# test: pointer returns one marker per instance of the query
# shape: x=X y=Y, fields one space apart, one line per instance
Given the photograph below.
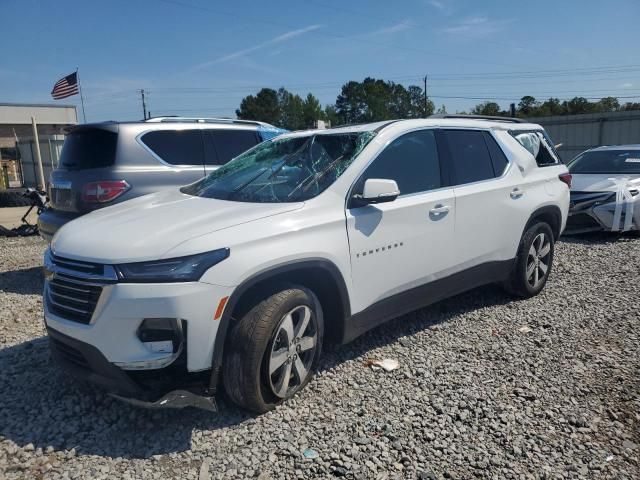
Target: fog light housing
x=161 y=335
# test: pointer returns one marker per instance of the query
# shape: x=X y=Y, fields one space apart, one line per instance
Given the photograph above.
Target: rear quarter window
x=176 y=147
x=229 y=143
x=538 y=144
x=86 y=148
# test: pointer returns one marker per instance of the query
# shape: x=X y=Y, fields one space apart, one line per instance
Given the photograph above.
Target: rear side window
x=539 y=145
x=498 y=157
x=86 y=148
x=411 y=160
x=228 y=144
x=176 y=147
x=469 y=155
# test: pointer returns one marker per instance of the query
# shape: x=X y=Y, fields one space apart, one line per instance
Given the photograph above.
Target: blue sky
x=198 y=57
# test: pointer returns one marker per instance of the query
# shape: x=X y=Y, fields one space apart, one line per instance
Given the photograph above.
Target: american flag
x=65 y=87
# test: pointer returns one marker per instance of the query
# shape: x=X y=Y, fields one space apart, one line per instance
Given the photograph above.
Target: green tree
x=332 y=116
x=262 y=107
x=578 y=105
x=487 y=108
x=607 y=104
x=311 y=111
x=290 y=107
x=630 y=106
x=527 y=106
x=442 y=110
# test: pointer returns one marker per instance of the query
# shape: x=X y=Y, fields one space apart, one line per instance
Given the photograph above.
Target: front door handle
x=516 y=193
x=439 y=209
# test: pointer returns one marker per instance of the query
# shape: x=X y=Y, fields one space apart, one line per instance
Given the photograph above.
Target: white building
x=17 y=157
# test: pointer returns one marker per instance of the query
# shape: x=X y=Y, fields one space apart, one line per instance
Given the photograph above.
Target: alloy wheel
x=292 y=351
x=538 y=260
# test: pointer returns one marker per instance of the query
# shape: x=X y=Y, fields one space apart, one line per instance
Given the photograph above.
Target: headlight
x=182 y=269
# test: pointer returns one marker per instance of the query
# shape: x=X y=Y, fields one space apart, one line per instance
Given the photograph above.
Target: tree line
x=375 y=100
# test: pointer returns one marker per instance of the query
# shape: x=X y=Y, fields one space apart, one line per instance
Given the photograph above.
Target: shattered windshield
x=289 y=169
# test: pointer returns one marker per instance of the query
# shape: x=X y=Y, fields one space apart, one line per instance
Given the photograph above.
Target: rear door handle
x=516 y=193
x=439 y=209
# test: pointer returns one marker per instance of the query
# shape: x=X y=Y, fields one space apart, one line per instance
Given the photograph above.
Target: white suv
x=239 y=278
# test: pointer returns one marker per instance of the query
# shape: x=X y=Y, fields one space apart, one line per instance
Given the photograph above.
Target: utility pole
x=425 y=96
x=144 y=105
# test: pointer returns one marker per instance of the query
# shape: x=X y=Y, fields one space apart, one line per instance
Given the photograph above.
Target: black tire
x=245 y=370
x=520 y=283
x=13 y=199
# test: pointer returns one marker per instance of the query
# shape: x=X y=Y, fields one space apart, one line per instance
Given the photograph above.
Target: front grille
x=68 y=353
x=72 y=298
x=580 y=221
x=75 y=287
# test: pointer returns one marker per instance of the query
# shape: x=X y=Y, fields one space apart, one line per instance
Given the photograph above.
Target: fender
x=553 y=211
x=240 y=290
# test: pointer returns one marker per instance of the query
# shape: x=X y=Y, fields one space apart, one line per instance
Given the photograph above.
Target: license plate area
x=61 y=195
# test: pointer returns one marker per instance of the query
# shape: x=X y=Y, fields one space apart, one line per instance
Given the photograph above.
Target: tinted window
x=470 y=156
x=177 y=147
x=539 y=145
x=498 y=157
x=617 y=162
x=89 y=148
x=411 y=160
x=231 y=143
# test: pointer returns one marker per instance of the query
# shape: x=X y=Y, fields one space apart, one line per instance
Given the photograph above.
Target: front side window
x=469 y=155
x=287 y=169
x=614 y=162
x=539 y=145
x=177 y=147
x=411 y=160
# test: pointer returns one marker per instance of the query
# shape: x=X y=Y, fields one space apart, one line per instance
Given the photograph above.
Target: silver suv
x=110 y=162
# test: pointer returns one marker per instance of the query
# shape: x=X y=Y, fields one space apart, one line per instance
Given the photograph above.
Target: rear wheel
x=274 y=349
x=533 y=262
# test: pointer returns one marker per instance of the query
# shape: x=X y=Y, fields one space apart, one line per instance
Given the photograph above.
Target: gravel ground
x=476 y=394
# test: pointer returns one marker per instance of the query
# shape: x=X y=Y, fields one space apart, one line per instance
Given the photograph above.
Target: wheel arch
x=319 y=275
x=549 y=214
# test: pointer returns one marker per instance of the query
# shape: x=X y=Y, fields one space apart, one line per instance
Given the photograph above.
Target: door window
x=177 y=147
x=229 y=144
x=470 y=157
x=498 y=157
x=411 y=160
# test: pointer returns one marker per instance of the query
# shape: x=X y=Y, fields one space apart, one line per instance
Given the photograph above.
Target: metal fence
x=50 y=149
x=578 y=133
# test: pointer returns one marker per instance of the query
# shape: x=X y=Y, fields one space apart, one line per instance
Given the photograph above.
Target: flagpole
x=84 y=116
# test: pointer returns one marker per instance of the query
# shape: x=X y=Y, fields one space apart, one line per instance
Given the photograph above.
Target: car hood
x=601 y=182
x=147 y=227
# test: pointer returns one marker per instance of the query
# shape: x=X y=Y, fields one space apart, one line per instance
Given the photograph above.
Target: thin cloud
x=626 y=85
x=398 y=27
x=444 y=6
x=274 y=41
x=477 y=27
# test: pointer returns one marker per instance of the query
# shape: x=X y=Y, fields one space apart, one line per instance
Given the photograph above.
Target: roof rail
x=169 y=119
x=478 y=117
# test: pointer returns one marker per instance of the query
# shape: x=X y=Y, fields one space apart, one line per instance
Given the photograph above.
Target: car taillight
x=104 y=191
x=565 y=178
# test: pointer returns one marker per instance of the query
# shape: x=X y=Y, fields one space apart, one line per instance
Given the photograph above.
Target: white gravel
x=476 y=395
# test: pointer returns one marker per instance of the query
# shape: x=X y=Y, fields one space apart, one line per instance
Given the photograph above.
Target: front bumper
x=50 y=221
x=592 y=212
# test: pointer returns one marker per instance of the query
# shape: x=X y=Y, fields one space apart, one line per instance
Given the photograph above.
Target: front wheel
x=274 y=349
x=533 y=262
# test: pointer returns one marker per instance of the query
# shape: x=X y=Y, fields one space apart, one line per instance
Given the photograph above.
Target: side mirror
x=377 y=190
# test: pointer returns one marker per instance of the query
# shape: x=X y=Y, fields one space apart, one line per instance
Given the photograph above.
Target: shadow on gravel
x=25 y=281
x=41 y=405
x=598 y=238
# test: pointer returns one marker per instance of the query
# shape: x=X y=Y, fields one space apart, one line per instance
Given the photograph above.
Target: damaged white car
x=605 y=192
